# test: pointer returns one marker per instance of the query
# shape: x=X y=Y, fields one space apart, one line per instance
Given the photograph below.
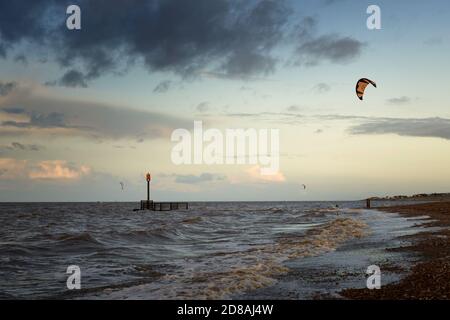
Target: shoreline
x=429 y=278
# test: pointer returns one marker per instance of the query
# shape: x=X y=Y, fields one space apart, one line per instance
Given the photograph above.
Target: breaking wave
x=255 y=268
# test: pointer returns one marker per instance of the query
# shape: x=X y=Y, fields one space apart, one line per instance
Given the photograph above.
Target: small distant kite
x=304 y=186
x=361 y=86
x=122 y=185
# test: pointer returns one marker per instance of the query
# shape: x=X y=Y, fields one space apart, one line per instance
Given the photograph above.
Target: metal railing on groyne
x=163 y=206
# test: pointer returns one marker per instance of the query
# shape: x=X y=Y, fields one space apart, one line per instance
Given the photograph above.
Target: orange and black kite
x=361 y=86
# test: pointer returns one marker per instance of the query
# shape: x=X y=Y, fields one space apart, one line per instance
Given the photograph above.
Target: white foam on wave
x=246 y=270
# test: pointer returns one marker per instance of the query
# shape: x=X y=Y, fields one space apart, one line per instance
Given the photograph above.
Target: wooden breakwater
x=163 y=206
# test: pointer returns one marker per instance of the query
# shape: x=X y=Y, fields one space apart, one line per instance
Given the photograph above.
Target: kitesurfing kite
x=304 y=186
x=361 y=86
x=122 y=185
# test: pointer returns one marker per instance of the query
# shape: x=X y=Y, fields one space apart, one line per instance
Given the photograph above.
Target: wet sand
x=430 y=277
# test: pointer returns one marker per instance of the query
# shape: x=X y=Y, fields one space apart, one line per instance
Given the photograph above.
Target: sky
x=83 y=110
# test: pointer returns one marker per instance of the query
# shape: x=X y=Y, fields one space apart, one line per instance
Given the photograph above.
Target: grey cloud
x=14 y=110
x=124 y=147
x=7 y=87
x=53 y=119
x=288 y=117
x=242 y=115
x=20 y=58
x=17 y=146
x=435 y=41
x=330 y=2
x=163 y=86
x=359 y=125
x=16 y=124
x=194 y=179
x=312 y=48
x=202 y=107
x=426 y=127
x=400 y=100
x=332 y=48
x=2 y=51
x=340 y=117
x=322 y=88
x=73 y=79
x=244 y=63
x=293 y=109
x=226 y=76
x=39 y=120
x=91 y=119
x=293 y=116
x=304 y=29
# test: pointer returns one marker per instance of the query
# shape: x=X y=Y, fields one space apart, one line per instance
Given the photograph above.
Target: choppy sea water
x=213 y=251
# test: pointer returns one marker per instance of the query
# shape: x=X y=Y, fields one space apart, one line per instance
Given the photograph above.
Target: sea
x=214 y=250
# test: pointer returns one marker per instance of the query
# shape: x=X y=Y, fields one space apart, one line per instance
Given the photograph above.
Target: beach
x=429 y=278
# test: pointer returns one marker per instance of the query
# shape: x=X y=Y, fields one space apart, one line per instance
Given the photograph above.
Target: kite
x=361 y=86
x=122 y=185
x=304 y=186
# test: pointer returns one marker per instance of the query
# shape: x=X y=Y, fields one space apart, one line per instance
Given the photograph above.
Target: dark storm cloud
x=182 y=36
x=7 y=87
x=232 y=38
x=427 y=127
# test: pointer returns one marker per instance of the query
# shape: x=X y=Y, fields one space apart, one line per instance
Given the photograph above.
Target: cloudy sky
x=82 y=111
